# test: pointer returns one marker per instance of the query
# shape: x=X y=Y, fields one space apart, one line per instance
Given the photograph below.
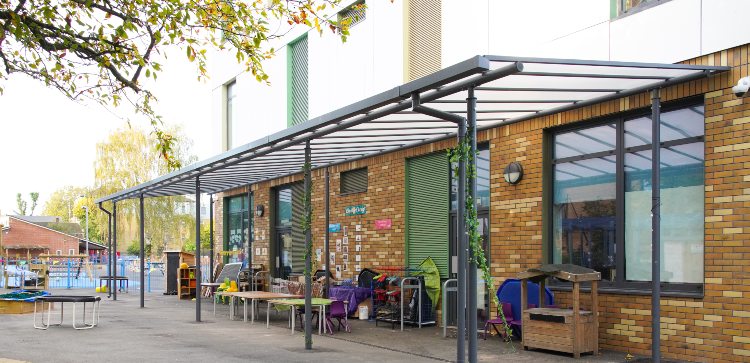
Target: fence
x=72 y=274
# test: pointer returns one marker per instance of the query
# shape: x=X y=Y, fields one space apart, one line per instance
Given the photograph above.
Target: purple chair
x=337 y=310
x=498 y=320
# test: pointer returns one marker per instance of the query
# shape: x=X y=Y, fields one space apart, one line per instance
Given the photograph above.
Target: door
x=284 y=261
x=483 y=297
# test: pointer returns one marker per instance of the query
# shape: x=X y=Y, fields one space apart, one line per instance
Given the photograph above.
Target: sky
x=48 y=141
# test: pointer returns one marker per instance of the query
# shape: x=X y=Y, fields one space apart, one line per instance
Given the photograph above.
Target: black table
x=62 y=299
x=120 y=279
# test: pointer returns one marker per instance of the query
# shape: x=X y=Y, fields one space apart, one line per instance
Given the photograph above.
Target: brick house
x=22 y=238
x=706 y=298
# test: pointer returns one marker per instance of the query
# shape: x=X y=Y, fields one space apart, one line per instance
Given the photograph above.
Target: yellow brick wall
x=715 y=328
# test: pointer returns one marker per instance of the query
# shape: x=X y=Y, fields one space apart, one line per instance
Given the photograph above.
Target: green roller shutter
x=427 y=183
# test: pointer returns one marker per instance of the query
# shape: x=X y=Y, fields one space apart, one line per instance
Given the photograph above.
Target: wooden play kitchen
x=563 y=330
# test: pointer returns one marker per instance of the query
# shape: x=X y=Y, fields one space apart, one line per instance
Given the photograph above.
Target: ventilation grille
x=354 y=181
x=424 y=41
x=356 y=13
x=298 y=74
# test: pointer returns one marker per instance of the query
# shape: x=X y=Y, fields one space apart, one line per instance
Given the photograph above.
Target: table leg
x=252 y=311
x=268 y=314
x=322 y=319
x=245 y=312
x=215 y=305
x=293 y=316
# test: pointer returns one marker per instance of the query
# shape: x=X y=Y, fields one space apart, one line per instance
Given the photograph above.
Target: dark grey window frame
x=619 y=286
x=343 y=174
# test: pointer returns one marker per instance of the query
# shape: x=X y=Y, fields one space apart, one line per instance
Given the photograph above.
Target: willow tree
x=128 y=158
x=104 y=49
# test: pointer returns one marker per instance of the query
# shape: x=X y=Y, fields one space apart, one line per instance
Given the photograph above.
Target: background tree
x=34 y=197
x=127 y=158
x=21 y=205
x=62 y=201
x=105 y=49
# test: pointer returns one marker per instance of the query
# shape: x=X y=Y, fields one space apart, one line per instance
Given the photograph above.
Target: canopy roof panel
x=508 y=90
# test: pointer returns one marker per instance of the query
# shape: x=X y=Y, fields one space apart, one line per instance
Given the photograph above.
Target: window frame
x=620 y=12
x=620 y=285
x=231 y=85
x=350 y=172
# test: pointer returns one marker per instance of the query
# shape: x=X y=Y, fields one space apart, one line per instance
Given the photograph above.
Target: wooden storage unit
x=186 y=283
x=563 y=330
x=173 y=260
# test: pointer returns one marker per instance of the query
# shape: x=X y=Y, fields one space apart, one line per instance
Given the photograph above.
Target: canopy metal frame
x=494 y=91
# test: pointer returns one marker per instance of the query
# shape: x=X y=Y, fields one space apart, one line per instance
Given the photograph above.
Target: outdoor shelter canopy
x=508 y=90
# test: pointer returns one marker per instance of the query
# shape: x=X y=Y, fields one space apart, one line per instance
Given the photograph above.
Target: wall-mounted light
x=513 y=173
x=259 y=210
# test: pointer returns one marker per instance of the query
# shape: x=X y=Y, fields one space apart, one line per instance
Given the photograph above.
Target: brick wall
x=22 y=233
x=715 y=328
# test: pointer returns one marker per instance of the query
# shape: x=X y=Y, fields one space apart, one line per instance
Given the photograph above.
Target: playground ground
x=166 y=331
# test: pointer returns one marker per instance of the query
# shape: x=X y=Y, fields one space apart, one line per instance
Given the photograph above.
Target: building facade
x=585 y=192
x=22 y=238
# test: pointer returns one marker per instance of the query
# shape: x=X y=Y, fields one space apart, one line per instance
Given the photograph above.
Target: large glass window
x=238 y=226
x=602 y=195
x=483 y=179
x=289 y=244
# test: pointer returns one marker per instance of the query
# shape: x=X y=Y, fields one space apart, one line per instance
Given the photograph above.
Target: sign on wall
x=383 y=224
x=334 y=227
x=354 y=210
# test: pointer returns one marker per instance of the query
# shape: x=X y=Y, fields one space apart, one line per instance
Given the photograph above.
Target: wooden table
x=254 y=296
x=294 y=303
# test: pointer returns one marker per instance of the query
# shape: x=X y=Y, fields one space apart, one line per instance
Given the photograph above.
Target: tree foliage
x=105 y=49
x=127 y=158
x=22 y=204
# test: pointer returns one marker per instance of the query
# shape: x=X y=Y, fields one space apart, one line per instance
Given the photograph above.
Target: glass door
x=483 y=301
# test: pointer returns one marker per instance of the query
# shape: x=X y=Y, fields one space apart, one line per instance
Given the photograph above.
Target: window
x=483 y=179
x=289 y=239
x=601 y=193
x=632 y=6
x=238 y=227
x=354 y=181
x=297 y=81
x=58 y=252
x=233 y=129
x=71 y=252
x=352 y=15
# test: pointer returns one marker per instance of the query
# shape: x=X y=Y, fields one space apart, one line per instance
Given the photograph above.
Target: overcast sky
x=48 y=141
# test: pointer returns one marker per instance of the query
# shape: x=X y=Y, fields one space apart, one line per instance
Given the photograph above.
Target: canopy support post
x=109 y=245
x=211 y=235
x=327 y=236
x=655 y=226
x=113 y=260
x=471 y=310
x=461 y=241
x=308 y=241
x=142 y=251
x=197 y=249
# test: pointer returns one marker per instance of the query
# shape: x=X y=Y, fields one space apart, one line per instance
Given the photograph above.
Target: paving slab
x=166 y=331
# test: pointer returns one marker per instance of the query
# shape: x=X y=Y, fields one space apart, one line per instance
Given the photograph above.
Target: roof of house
x=51 y=230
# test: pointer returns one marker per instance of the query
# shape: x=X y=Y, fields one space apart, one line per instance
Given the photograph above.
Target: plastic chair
x=498 y=320
x=337 y=310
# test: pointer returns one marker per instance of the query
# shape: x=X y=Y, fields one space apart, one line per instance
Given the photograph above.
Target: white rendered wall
x=372 y=60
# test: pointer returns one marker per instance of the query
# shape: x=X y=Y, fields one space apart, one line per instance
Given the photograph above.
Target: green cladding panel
x=297 y=81
x=427 y=215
